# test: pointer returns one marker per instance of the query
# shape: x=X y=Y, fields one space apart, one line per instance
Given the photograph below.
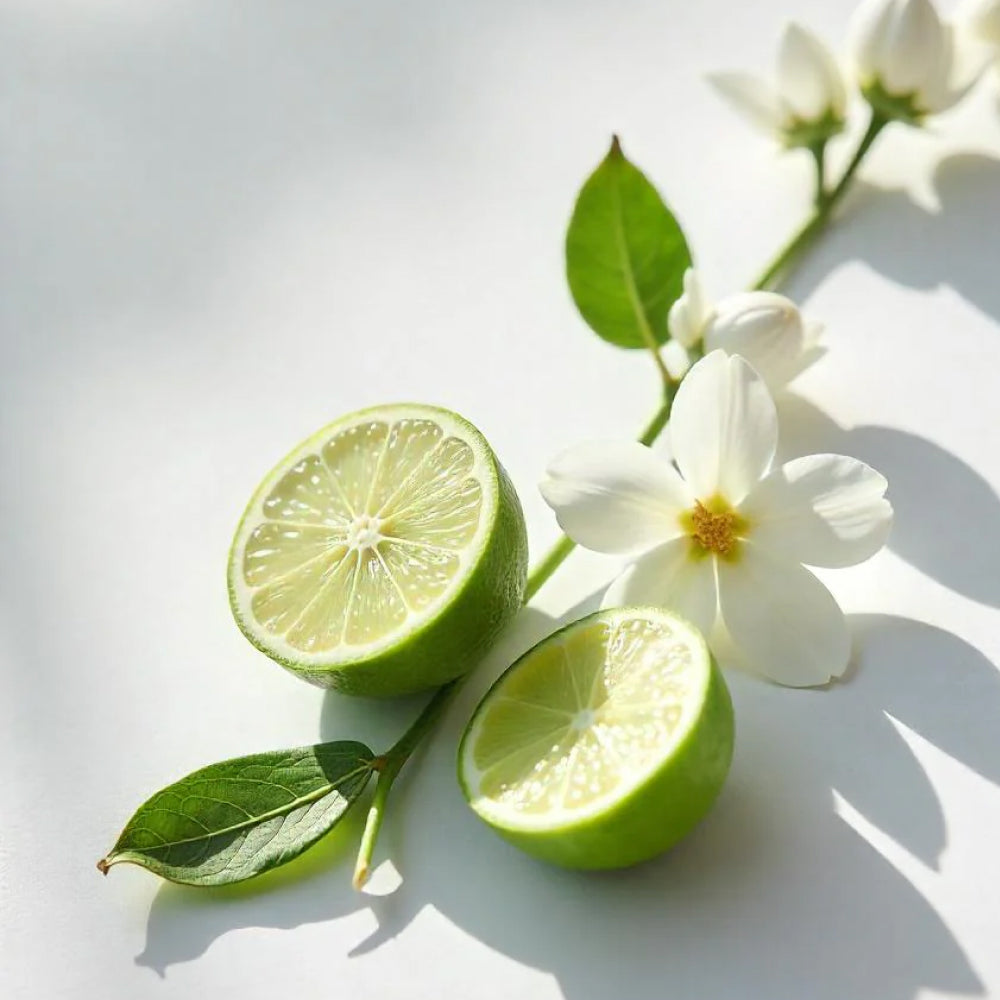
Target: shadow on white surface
x=157 y=150
x=775 y=895
x=896 y=235
x=183 y=922
x=957 y=245
x=935 y=495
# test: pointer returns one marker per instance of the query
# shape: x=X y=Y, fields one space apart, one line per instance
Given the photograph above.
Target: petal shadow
x=935 y=495
x=955 y=245
x=775 y=894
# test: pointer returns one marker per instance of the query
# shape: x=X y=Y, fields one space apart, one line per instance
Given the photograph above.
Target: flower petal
x=809 y=80
x=812 y=351
x=688 y=315
x=966 y=61
x=822 y=510
x=615 y=496
x=755 y=99
x=670 y=577
x=676 y=358
x=765 y=328
x=813 y=331
x=784 y=622
x=723 y=428
x=868 y=33
x=916 y=48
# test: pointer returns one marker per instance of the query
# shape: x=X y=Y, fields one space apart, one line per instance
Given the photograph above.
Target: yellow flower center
x=714 y=527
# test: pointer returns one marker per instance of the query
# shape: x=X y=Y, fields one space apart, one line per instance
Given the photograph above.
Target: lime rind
x=659 y=794
x=554 y=648
x=482 y=594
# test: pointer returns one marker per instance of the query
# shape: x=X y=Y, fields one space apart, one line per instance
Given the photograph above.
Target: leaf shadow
x=956 y=245
x=776 y=894
x=841 y=919
x=935 y=496
x=183 y=921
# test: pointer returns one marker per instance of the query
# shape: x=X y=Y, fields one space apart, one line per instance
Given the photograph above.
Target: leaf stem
x=659 y=419
x=654 y=349
x=388 y=767
x=780 y=267
x=807 y=234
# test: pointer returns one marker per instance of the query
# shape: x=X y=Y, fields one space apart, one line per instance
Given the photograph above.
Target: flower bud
x=689 y=314
x=907 y=61
x=768 y=330
x=809 y=80
x=806 y=104
x=765 y=328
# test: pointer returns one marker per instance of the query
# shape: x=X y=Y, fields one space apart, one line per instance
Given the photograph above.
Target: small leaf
x=240 y=818
x=625 y=255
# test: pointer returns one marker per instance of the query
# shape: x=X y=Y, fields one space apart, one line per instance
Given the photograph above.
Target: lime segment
x=604 y=744
x=369 y=533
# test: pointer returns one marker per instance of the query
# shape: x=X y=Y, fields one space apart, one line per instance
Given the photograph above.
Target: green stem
x=654 y=349
x=820 y=217
x=391 y=763
x=389 y=766
x=819 y=158
x=659 y=420
x=552 y=560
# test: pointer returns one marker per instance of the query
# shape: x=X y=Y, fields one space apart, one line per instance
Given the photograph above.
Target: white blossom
x=908 y=62
x=691 y=312
x=807 y=100
x=722 y=537
x=766 y=328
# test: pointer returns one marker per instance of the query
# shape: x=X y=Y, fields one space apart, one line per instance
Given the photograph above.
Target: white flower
x=908 y=62
x=765 y=328
x=691 y=312
x=723 y=541
x=806 y=103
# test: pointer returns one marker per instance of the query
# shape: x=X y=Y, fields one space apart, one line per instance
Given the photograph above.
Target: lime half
x=604 y=744
x=383 y=555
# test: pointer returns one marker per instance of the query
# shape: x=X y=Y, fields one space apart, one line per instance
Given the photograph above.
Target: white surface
x=227 y=223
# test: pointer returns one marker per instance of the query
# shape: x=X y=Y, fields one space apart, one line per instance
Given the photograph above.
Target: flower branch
x=718 y=534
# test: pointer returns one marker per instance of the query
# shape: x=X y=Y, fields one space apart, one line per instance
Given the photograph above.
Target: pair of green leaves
x=625 y=262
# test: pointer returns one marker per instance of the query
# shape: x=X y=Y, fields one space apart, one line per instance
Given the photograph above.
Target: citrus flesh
x=604 y=744
x=383 y=555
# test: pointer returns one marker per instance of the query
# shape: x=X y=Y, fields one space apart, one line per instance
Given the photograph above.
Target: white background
x=223 y=225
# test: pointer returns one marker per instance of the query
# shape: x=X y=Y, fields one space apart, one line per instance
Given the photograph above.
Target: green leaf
x=240 y=818
x=625 y=255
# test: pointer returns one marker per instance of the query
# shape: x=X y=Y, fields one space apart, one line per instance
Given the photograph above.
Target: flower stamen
x=714 y=532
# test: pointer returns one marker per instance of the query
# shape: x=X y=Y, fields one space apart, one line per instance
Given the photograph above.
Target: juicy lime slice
x=383 y=555
x=604 y=744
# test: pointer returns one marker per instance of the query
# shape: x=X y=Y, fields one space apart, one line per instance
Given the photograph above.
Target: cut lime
x=383 y=555
x=604 y=744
